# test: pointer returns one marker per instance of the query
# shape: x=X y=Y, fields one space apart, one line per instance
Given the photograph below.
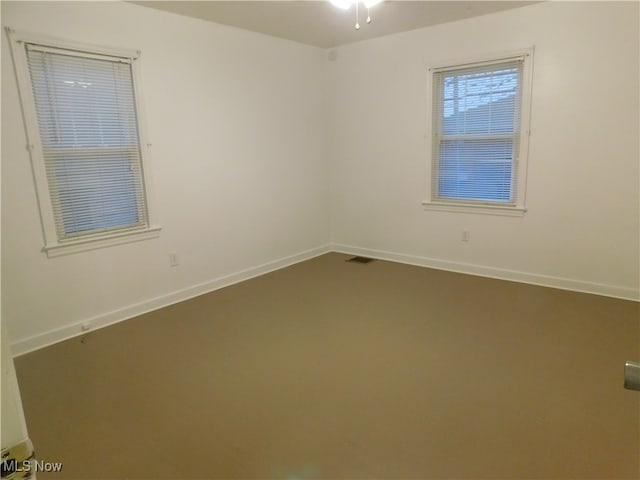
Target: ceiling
x=318 y=23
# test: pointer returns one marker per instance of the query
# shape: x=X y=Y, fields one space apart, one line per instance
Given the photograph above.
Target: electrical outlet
x=465 y=236
x=173 y=259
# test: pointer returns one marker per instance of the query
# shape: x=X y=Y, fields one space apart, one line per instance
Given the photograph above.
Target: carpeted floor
x=332 y=369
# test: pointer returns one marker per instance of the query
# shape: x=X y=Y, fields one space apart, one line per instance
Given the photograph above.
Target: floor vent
x=360 y=260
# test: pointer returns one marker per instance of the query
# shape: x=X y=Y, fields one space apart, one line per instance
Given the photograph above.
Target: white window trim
x=52 y=246
x=517 y=209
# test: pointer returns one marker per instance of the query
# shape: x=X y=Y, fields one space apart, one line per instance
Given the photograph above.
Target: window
x=479 y=125
x=84 y=131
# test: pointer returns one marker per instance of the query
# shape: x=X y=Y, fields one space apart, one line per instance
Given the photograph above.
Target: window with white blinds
x=87 y=119
x=82 y=118
x=477 y=133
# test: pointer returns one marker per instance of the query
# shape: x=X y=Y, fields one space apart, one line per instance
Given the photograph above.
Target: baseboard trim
x=71 y=330
x=492 y=272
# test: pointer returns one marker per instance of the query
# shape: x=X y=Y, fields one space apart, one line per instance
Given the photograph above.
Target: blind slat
x=476 y=118
x=85 y=106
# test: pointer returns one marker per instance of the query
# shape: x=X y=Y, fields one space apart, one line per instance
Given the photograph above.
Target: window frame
x=517 y=207
x=53 y=246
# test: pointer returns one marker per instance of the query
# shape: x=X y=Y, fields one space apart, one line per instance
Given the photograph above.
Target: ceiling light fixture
x=346 y=4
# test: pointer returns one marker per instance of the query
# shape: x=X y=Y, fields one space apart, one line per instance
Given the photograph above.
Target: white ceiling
x=317 y=22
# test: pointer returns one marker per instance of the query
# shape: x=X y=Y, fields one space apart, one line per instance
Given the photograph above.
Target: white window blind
x=88 y=125
x=476 y=121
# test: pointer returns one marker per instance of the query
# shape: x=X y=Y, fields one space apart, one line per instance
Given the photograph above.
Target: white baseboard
x=75 y=329
x=71 y=330
x=492 y=272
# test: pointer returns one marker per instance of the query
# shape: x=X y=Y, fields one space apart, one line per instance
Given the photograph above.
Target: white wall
x=247 y=176
x=237 y=125
x=13 y=426
x=582 y=227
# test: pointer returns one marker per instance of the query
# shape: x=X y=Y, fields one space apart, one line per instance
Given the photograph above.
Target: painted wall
x=12 y=421
x=582 y=227
x=236 y=120
x=264 y=152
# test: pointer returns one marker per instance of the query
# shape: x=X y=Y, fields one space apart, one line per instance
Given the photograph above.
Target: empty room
x=309 y=240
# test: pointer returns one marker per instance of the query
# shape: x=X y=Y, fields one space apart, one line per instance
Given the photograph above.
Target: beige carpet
x=330 y=369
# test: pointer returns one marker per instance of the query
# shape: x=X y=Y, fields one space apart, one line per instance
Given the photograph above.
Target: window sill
x=508 y=211
x=84 y=244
